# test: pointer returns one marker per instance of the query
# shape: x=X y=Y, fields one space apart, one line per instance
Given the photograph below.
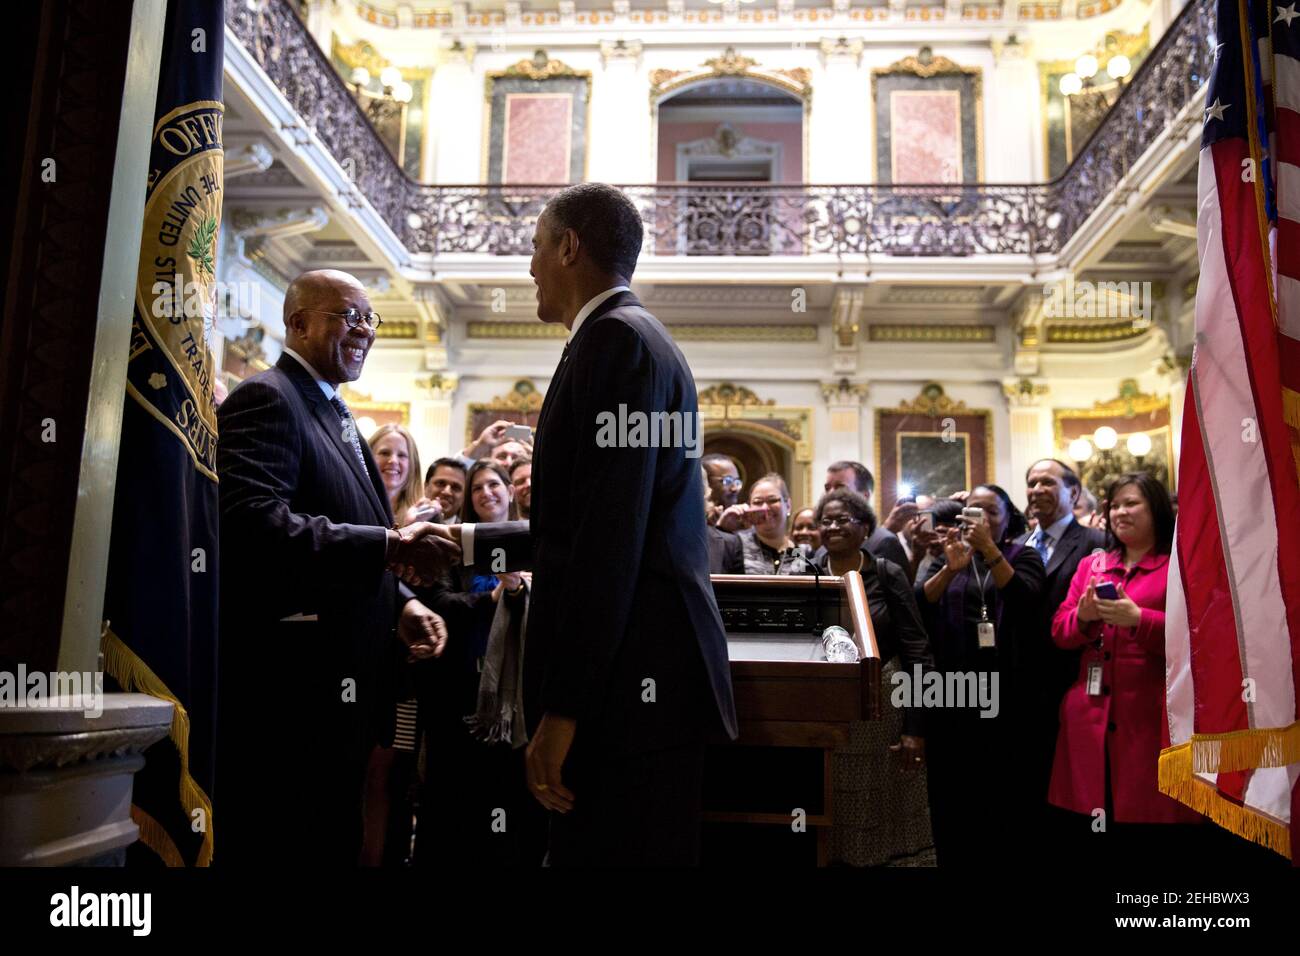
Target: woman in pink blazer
x=1113 y=722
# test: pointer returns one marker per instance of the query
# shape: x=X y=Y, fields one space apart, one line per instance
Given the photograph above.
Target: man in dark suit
x=1051 y=490
x=313 y=625
x=625 y=663
x=883 y=543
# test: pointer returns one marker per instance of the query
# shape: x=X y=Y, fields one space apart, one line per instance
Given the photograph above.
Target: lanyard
x=981 y=583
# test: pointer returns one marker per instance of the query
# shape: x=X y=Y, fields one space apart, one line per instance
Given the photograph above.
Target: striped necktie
x=1044 y=541
x=349 y=431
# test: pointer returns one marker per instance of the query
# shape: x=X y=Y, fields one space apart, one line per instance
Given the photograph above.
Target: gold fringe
x=1176 y=779
x=1245 y=749
x=1291 y=407
x=156 y=838
x=133 y=674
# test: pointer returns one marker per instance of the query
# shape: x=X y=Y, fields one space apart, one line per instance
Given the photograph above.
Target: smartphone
x=974 y=515
x=519 y=433
x=1107 y=590
x=927 y=521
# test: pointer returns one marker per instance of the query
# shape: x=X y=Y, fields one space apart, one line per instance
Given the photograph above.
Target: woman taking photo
x=979 y=603
x=767 y=547
x=1113 y=723
x=466 y=780
x=880 y=814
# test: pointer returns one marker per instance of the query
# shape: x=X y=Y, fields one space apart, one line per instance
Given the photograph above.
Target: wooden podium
x=794 y=709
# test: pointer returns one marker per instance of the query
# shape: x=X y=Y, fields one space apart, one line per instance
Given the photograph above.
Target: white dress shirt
x=1053 y=532
x=329 y=390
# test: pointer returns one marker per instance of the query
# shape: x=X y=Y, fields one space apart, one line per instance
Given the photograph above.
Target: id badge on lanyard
x=984 y=629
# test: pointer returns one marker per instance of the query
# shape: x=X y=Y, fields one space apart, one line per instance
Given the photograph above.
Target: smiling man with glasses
x=308 y=608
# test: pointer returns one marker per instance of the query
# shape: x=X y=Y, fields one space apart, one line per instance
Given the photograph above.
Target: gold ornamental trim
x=797 y=81
x=933 y=402
x=398 y=329
x=931 y=333
x=539 y=67
x=727 y=394
x=1096 y=331
x=515 y=330
x=524 y=397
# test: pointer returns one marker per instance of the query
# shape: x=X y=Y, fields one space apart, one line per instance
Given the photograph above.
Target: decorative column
x=839 y=144
x=620 y=132
x=844 y=400
x=459 y=105
x=431 y=416
x=1030 y=427
x=1013 y=150
x=1172 y=374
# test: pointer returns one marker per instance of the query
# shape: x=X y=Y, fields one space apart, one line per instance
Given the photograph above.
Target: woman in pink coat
x=1113 y=722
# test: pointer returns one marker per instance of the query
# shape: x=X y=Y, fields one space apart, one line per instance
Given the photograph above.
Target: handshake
x=420 y=551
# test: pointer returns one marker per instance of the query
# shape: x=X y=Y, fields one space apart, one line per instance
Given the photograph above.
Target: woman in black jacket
x=979 y=603
x=880 y=807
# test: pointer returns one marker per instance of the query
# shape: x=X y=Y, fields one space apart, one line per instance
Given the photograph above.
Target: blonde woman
x=399 y=468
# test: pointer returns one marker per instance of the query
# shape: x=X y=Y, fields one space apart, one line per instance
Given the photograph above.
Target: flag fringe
x=133 y=674
x=1245 y=749
x=1291 y=407
x=156 y=838
x=1176 y=778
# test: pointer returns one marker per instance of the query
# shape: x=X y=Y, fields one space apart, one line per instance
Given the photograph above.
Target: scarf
x=499 y=715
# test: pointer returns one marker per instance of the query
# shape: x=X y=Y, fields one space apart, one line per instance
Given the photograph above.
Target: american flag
x=1232 y=635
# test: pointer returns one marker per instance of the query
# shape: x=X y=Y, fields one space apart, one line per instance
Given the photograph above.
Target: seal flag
x=160 y=604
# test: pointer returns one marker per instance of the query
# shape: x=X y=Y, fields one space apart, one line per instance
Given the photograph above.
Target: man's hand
x=488 y=439
x=900 y=516
x=733 y=519
x=423 y=550
x=423 y=632
x=544 y=759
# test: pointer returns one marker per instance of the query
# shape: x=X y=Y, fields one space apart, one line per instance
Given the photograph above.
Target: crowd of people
x=1053 y=616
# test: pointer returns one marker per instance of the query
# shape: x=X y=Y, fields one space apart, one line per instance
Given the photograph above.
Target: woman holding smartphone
x=1113 y=723
x=978 y=605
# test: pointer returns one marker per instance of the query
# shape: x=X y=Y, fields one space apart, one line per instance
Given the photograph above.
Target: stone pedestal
x=66 y=776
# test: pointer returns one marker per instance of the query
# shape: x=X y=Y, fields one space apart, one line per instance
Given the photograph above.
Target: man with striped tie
x=1046 y=671
x=313 y=624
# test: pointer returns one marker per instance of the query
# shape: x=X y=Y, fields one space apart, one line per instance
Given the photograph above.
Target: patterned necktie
x=1044 y=540
x=349 y=431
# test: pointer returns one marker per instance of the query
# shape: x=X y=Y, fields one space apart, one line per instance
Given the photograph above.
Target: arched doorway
x=727 y=136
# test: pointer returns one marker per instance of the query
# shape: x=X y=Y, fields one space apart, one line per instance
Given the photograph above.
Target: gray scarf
x=499 y=716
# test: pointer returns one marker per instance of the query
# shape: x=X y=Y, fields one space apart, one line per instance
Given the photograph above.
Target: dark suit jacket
x=618 y=544
x=302 y=533
x=726 y=556
x=1047 y=671
x=883 y=543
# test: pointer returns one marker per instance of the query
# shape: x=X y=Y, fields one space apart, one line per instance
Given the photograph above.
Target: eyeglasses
x=842 y=521
x=730 y=481
x=352 y=317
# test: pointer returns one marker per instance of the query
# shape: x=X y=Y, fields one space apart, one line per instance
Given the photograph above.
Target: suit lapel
x=1065 y=547
x=328 y=419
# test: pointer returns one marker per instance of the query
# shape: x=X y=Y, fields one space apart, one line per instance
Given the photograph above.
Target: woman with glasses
x=765 y=541
x=978 y=602
x=880 y=808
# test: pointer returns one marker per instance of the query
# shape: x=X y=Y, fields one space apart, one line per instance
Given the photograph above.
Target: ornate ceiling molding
x=926 y=64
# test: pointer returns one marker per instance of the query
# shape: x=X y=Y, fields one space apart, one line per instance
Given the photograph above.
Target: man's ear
x=569 y=244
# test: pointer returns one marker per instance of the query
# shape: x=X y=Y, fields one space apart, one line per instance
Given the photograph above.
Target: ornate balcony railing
x=695 y=219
